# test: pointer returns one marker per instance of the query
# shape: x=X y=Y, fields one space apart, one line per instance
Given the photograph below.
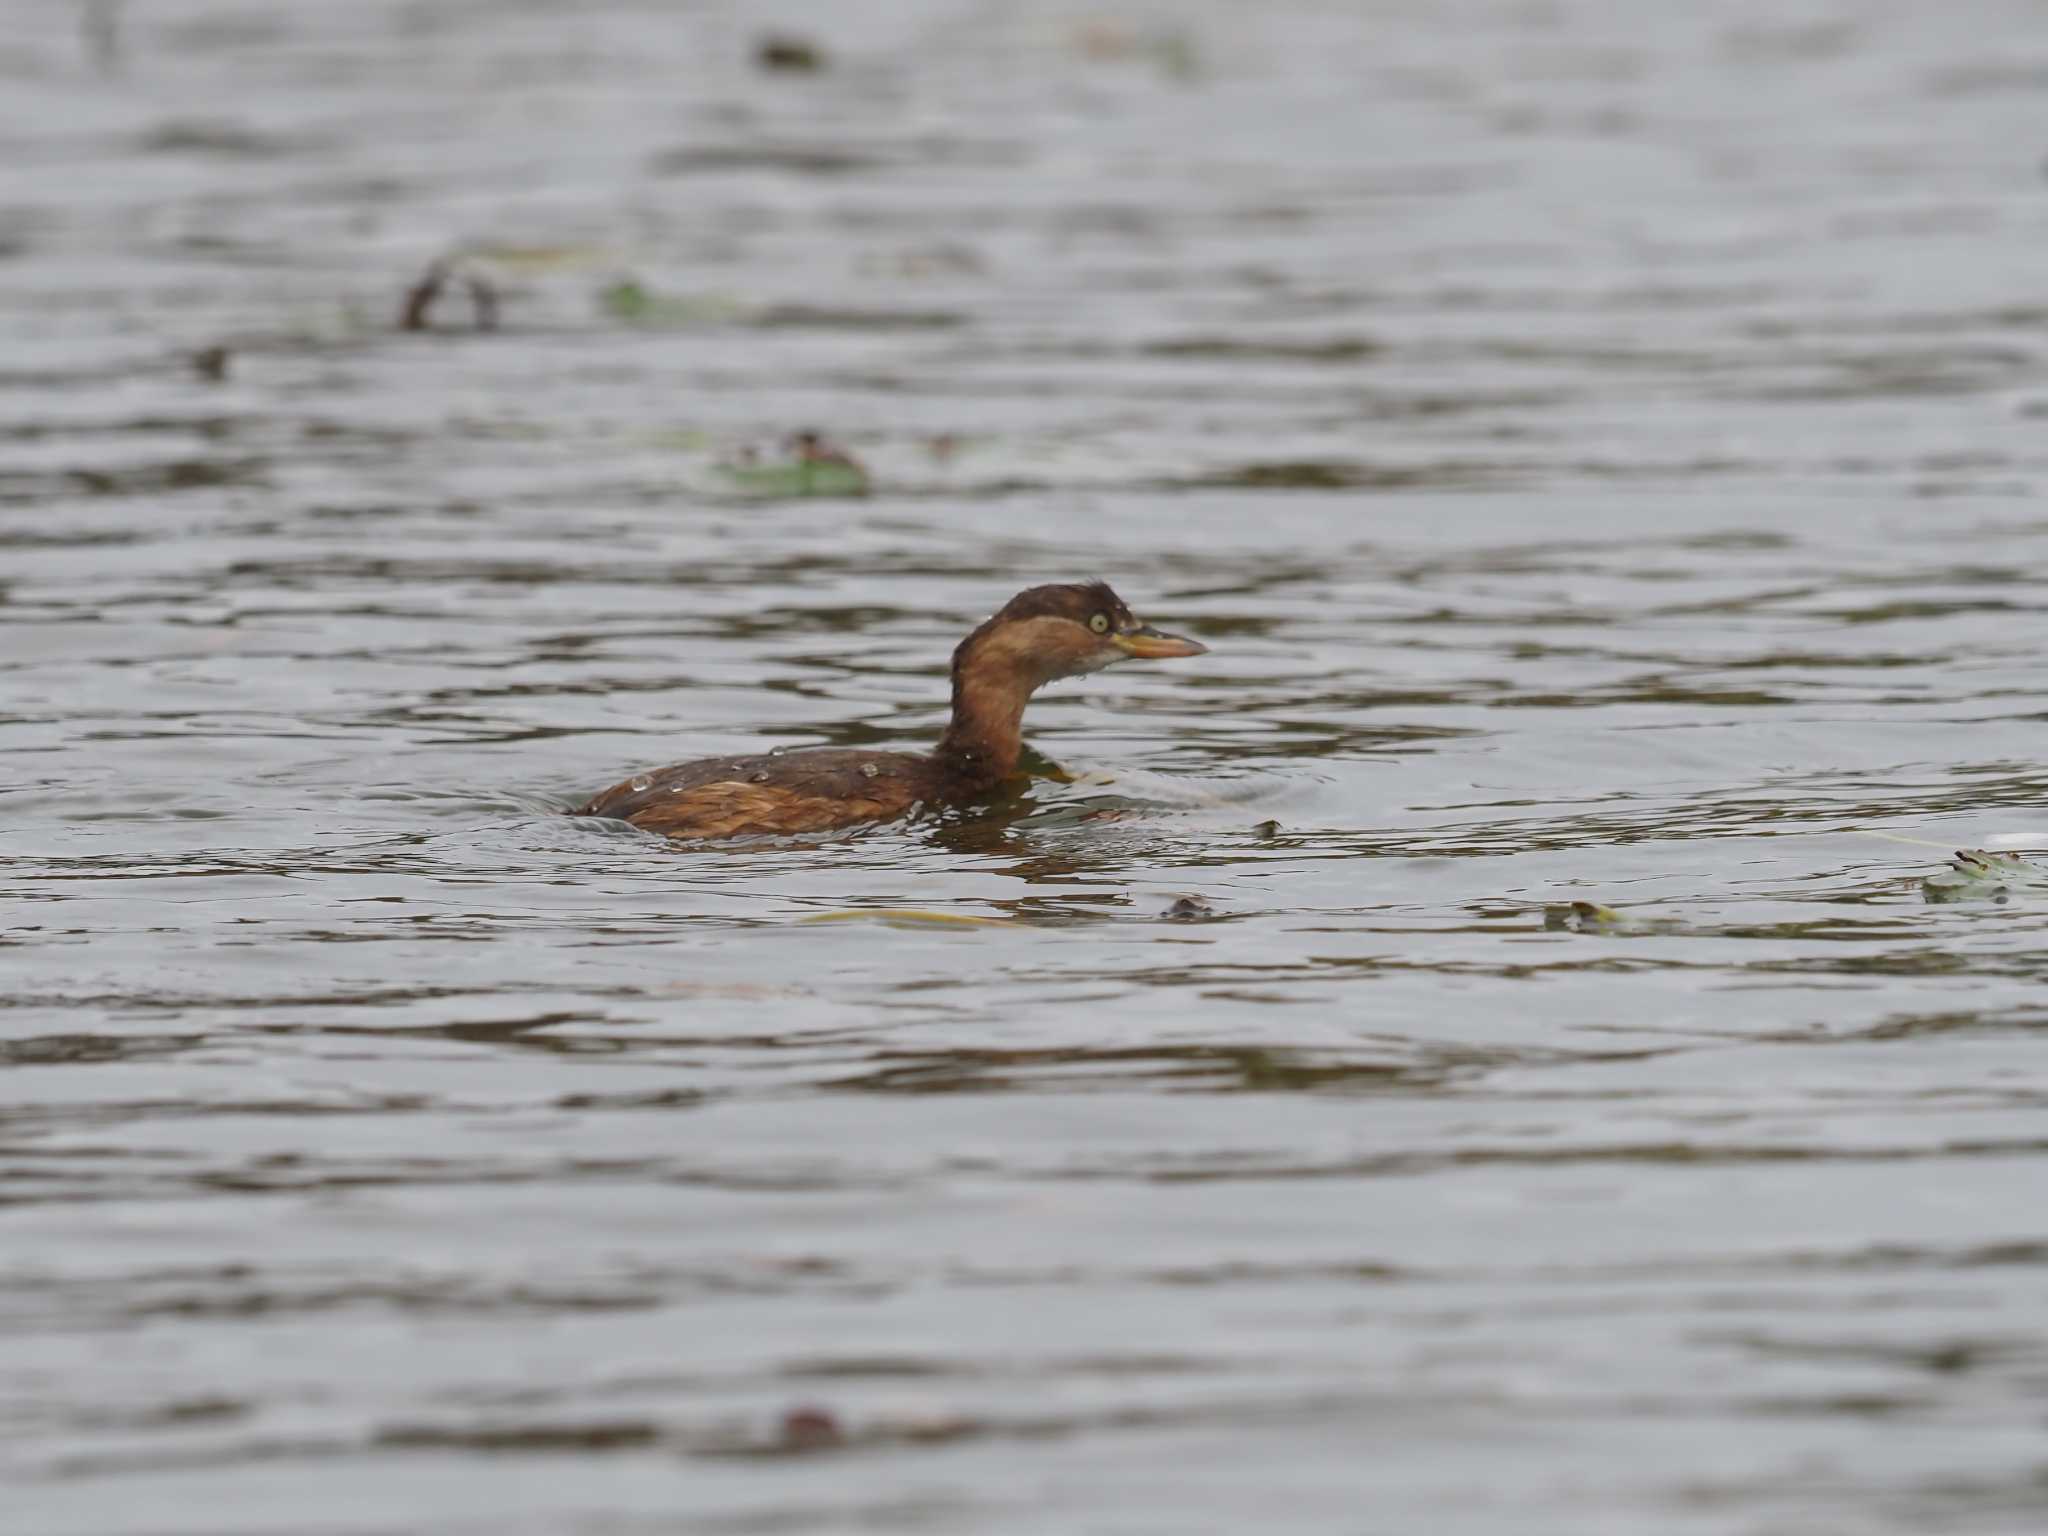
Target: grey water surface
x=1602 y=444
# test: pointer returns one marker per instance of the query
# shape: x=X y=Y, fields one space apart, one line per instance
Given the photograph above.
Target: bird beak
x=1148 y=644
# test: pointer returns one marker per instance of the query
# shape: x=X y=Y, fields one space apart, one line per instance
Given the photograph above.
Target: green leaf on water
x=800 y=477
x=811 y=465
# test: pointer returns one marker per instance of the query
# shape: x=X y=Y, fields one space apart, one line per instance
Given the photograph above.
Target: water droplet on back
x=640 y=783
x=870 y=770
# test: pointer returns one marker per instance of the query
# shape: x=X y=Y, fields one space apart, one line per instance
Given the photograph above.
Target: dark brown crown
x=1077 y=600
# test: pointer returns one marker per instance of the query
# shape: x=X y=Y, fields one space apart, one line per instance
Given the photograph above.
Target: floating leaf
x=814 y=467
x=802 y=478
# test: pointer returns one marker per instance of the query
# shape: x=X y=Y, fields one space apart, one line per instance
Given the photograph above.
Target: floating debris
x=1977 y=874
x=1188 y=909
x=787 y=52
x=445 y=270
x=810 y=1428
x=211 y=363
x=1581 y=917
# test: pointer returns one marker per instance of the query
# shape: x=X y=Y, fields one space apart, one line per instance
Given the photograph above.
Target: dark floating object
x=211 y=363
x=809 y=1427
x=1266 y=829
x=1041 y=634
x=788 y=52
x=421 y=297
x=1187 y=909
x=815 y=453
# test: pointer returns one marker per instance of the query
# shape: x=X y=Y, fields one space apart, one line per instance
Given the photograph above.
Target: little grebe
x=1040 y=634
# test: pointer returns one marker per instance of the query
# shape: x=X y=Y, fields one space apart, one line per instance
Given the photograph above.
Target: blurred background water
x=1602 y=444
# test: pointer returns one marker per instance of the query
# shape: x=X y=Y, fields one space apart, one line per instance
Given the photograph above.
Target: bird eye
x=1099 y=623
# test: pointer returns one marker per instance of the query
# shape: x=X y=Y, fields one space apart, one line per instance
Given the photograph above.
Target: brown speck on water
x=815 y=448
x=810 y=1428
x=789 y=54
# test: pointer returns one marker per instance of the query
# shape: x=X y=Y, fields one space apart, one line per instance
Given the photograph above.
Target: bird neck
x=986 y=734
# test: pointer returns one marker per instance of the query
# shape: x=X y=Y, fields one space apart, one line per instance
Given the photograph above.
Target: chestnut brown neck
x=986 y=734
